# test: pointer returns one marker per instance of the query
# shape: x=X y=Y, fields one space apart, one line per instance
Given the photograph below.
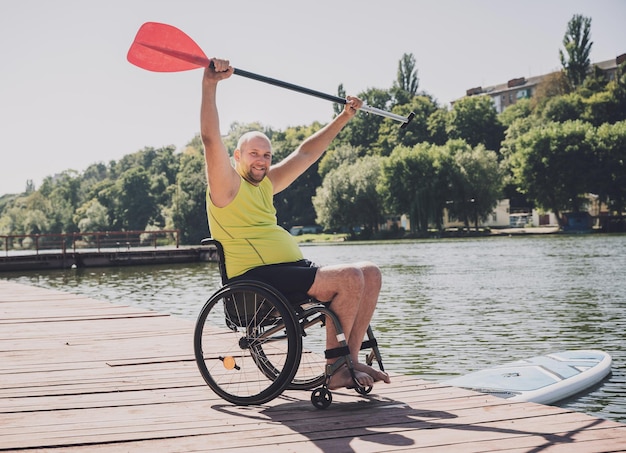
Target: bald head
x=246 y=138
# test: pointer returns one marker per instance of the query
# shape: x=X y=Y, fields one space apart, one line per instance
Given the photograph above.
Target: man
x=243 y=218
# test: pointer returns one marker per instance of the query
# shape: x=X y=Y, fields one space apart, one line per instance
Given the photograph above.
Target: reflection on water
x=447 y=307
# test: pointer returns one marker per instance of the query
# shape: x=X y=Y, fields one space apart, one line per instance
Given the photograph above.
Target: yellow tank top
x=248 y=231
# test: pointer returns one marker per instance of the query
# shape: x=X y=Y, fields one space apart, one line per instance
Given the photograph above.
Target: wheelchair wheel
x=311 y=370
x=247 y=343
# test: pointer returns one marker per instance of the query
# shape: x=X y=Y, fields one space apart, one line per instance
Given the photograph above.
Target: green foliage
x=92 y=216
x=364 y=128
x=294 y=204
x=187 y=210
x=348 y=199
x=604 y=107
x=341 y=93
x=521 y=109
x=407 y=82
x=390 y=135
x=578 y=48
x=417 y=181
x=477 y=182
x=568 y=107
x=437 y=125
x=551 y=165
x=333 y=158
x=475 y=120
x=610 y=166
x=136 y=204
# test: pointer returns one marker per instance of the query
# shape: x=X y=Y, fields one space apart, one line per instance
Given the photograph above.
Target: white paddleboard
x=543 y=379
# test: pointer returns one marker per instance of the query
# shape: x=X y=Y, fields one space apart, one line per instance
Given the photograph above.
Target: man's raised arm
x=311 y=149
x=222 y=178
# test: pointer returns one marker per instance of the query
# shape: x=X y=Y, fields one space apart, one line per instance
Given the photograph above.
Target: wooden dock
x=77 y=374
x=106 y=258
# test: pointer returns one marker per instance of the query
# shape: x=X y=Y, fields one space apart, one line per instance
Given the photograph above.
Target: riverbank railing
x=97 y=240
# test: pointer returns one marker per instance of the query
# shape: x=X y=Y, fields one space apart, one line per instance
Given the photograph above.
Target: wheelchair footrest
x=369 y=344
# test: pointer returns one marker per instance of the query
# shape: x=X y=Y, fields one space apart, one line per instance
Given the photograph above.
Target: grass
x=320 y=238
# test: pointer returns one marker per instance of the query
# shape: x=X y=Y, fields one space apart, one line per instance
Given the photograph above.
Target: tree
x=136 y=204
x=348 y=199
x=390 y=134
x=92 y=216
x=610 y=180
x=294 y=205
x=437 y=125
x=553 y=84
x=475 y=120
x=35 y=221
x=333 y=158
x=552 y=164
x=578 y=48
x=563 y=108
x=607 y=105
x=409 y=184
x=407 y=82
x=187 y=211
x=362 y=130
x=341 y=93
x=476 y=184
x=521 y=109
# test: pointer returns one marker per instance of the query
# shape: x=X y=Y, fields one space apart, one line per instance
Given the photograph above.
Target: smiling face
x=253 y=157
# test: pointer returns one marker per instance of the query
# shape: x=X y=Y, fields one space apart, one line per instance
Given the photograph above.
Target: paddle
x=164 y=48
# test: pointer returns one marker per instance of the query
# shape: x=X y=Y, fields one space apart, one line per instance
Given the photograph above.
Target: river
x=447 y=307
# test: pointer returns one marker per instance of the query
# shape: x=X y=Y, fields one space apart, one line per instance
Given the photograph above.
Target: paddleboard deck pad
x=544 y=379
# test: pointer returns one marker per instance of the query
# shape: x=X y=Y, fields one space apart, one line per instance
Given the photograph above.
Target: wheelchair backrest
x=241 y=307
x=220 y=254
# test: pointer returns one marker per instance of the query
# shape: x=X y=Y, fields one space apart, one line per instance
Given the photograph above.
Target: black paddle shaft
x=289 y=86
x=319 y=94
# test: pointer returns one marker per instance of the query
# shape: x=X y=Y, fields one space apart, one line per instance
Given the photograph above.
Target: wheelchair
x=251 y=343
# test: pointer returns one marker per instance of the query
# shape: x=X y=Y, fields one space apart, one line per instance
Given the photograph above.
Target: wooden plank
x=88 y=382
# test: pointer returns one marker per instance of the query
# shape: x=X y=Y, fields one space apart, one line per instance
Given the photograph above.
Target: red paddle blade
x=164 y=48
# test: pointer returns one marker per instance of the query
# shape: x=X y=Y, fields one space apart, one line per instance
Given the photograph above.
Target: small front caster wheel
x=321 y=398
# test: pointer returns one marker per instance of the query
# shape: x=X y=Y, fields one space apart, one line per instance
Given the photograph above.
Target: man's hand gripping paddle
x=164 y=48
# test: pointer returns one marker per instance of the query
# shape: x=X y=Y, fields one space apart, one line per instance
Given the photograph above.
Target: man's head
x=253 y=156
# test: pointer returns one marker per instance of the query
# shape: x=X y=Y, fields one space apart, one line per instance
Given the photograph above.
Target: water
x=447 y=307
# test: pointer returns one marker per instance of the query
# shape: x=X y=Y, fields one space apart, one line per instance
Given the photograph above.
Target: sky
x=69 y=98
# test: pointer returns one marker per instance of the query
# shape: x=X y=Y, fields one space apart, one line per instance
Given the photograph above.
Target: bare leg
x=353 y=290
x=373 y=282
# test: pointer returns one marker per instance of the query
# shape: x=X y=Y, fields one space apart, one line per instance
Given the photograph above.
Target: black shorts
x=293 y=280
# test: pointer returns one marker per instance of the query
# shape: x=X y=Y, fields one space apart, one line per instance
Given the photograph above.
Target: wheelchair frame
x=248 y=343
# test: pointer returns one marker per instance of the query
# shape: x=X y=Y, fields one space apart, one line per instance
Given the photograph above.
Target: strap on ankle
x=337 y=352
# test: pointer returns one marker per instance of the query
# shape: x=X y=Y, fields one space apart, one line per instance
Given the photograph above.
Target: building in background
x=506 y=94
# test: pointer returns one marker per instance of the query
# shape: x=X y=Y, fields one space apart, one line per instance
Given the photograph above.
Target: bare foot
x=342 y=378
x=375 y=374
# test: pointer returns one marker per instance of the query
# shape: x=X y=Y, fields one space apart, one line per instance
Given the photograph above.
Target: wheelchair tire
x=247 y=343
